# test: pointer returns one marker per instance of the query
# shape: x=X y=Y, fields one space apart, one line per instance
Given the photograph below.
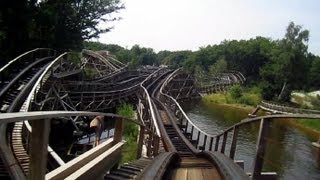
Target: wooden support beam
x=118 y=132
x=39 y=144
x=216 y=146
x=156 y=141
x=224 y=142
x=261 y=148
x=234 y=142
x=140 y=141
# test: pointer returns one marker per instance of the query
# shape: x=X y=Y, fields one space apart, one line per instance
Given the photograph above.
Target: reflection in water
x=289 y=151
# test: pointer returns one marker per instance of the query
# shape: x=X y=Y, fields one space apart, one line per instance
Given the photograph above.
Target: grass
x=251 y=97
x=218 y=98
x=310 y=123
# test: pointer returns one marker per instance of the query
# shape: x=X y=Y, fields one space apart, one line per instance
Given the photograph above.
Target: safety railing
x=210 y=142
x=38 y=153
x=147 y=113
x=223 y=83
x=279 y=108
x=33 y=99
x=29 y=56
x=183 y=119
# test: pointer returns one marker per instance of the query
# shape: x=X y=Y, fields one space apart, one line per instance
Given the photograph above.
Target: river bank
x=221 y=102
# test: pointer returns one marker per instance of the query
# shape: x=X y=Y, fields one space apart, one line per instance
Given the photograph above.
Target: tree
x=315 y=74
x=235 y=92
x=218 y=67
x=287 y=67
x=176 y=59
x=143 y=56
x=58 y=24
x=161 y=55
x=66 y=23
x=15 y=21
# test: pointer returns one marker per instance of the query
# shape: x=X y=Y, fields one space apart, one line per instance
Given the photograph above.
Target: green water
x=289 y=151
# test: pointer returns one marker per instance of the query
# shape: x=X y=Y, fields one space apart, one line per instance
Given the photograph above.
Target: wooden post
x=149 y=145
x=234 y=142
x=217 y=144
x=198 y=138
x=204 y=142
x=191 y=132
x=140 y=141
x=181 y=121
x=118 y=131
x=211 y=142
x=261 y=148
x=39 y=146
x=186 y=128
x=156 y=141
x=224 y=142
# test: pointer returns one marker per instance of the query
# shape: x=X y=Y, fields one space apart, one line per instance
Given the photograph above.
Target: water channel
x=289 y=150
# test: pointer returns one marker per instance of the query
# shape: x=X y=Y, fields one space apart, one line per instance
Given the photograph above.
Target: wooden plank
x=180 y=174
x=96 y=168
x=195 y=173
x=211 y=173
x=78 y=162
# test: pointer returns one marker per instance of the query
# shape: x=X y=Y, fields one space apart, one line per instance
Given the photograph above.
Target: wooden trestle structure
x=47 y=88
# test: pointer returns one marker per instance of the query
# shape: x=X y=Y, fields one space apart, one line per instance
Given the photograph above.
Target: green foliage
x=58 y=24
x=129 y=152
x=199 y=73
x=74 y=57
x=176 y=59
x=218 y=67
x=235 y=91
x=143 y=56
x=90 y=72
x=218 y=98
x=94 y=46
x=311 y=123
x=130 y=133
x=251 y=97
x=288 y=64
x=130 y=129
x=315 y=73
x=315 y=101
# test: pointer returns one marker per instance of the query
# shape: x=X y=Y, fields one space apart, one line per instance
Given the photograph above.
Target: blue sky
x=190 y=24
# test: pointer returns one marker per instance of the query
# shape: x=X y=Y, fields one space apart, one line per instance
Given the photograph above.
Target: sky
x=190 y=24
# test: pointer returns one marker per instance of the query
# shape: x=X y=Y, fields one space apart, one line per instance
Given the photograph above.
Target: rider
x=98 y=124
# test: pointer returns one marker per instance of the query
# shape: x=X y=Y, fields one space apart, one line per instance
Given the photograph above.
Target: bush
x=130 y=133
x=215 y=98
x=255 y=90
x=90 y=72
x=235 y=91
x=315 y=101
x=249 y=99
x=130 y=129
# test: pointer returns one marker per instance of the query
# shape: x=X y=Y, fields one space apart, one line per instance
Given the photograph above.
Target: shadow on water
x=289 y=151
